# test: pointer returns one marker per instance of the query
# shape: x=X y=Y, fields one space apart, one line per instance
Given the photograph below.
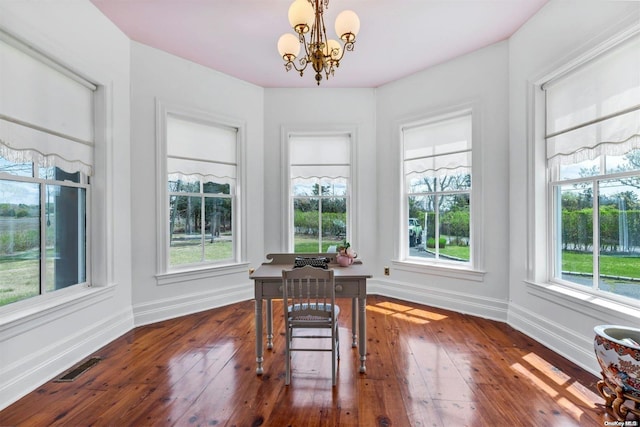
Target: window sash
x=202 y=151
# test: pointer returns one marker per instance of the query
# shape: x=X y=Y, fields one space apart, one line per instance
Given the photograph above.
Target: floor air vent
x=78 y=370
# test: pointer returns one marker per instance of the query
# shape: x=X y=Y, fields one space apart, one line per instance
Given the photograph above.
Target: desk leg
x=354 y=322
x=269 y=325
x=362 y=320
x=259 y=359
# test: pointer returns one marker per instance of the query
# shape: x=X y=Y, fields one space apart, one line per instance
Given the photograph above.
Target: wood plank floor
x=425 y=367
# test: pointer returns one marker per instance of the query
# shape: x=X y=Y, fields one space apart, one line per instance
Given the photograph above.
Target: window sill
x=440 y=270
x=572 y=298
x=179 y=276
x=50 y=306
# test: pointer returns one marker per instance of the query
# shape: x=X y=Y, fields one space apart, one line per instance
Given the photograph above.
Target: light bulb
x=301 y=16
x=347 y=25
x=288 y=45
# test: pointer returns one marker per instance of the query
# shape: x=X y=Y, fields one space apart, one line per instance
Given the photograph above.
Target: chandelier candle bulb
x=347 y=25
x=288 y=47
x=301 y=16
x=306 y=17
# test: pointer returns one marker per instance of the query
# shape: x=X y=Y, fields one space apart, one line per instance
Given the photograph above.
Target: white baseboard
x=489 y=308
x=557 y=337
x=170 y=308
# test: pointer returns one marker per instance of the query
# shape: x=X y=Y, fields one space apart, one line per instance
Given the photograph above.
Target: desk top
x=273 y=269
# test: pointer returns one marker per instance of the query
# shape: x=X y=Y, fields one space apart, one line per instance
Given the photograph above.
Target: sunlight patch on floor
x=547 y=368
x=407 y=313
x=541 y=371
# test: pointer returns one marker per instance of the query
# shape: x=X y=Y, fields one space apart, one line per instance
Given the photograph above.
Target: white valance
x=195 y=170
x=20 y=144
x=595 y=109
x=442 y=165
x=49 y=122
x=438 y=149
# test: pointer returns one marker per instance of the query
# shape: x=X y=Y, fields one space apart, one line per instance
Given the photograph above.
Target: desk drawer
x=344 y=289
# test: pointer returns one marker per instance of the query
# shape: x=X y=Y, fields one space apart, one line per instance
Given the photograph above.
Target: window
x=593 y=157
x=437 y=190
x=201 y=184
x=46 y=161
x=319 y=190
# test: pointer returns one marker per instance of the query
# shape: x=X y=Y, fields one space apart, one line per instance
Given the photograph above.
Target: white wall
x=156 y=75
x=40 y=338
x=558 y=34
x=316 y=110
x=479 y=79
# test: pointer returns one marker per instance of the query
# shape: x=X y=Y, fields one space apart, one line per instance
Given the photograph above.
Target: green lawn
x=190 y=252
x=460 y=252
x=310 y=244
x=610 y=265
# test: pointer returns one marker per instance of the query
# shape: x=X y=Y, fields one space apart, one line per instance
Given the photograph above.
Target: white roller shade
x=595 y=109
x=46 y=112
x=438 y=149
x=204 y=151
x=320 y=156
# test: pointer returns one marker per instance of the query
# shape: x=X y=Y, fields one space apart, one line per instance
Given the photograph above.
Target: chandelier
x=307 y=18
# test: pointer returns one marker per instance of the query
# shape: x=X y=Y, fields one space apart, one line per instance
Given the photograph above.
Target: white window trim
x=287 y=220
x=166 y=275
x=540 y=220
x=474 y=270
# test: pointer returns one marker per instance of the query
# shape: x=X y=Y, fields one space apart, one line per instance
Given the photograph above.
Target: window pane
x=186 y=240
x=216 y=188
x=55 y=173
x=305 y=187
x=454 y=227
x=619 y=217
x=177 y=184
x=334 y=221
x=628 y=162
x=218 y=243
x=575 y=251
x=580 y=170
x=306 y=216
x=18 y=169
x=421 y=213
x=19 y=241
x=66 y=236
x=334 y=186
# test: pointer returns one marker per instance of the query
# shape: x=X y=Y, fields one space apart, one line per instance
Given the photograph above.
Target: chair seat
x=312 y=306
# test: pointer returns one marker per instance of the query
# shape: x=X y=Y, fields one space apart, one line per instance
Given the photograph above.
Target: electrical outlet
x=386 y=271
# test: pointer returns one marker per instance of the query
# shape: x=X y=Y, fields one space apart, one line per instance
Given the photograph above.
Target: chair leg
x=333 y=365
x=287 y=356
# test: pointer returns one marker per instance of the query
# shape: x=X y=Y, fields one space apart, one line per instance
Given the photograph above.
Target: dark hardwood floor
x=425 y=367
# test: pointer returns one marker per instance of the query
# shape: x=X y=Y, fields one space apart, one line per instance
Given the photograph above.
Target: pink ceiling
x=397 y=37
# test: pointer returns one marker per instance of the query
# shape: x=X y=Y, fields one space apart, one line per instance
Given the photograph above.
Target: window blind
x=438 y=149
x=46 y=111
x=201 y=151
x=595 y=109
x=320 y=156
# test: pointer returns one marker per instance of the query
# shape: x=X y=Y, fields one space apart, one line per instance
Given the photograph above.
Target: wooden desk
x=351 y=282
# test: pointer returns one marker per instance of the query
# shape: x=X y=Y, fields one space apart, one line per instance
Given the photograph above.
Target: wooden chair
x=309 y=303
